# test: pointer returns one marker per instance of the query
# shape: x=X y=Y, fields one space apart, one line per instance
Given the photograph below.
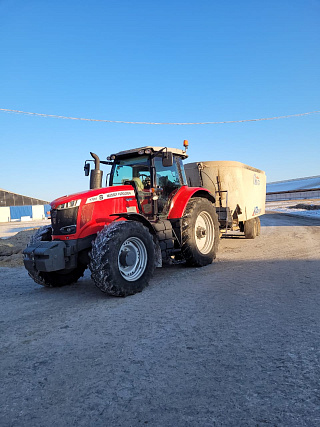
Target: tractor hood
x=83 y=214
x=91 y=196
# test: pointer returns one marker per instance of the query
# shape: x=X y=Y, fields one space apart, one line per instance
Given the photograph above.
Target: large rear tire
x=122 y=258
x=200 y=232
x=53 y=279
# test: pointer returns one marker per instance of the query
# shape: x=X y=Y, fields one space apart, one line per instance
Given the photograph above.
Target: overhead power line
x=155 y=123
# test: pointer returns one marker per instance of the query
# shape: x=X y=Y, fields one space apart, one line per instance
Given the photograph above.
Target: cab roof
x=175 y=151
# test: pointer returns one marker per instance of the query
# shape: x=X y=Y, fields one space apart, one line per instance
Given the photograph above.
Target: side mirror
x=86 y=169
x=167 y=159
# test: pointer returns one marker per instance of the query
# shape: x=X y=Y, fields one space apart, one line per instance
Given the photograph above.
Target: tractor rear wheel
x=122 y=258
x=200 y=232
x=58 y=278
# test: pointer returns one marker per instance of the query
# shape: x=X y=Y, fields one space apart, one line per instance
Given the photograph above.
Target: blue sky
x=163 y=61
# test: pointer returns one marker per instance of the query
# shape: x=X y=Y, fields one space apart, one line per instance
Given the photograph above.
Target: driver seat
x=138 y=182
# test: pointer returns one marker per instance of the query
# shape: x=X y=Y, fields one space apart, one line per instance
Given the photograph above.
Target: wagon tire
x=200 y=232
x=250 y=228
x=258 y=226
x=122 y=258
x=53 y=279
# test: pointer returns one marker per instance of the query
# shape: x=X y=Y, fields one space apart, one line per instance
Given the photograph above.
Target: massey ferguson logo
x=256 y=179
x=106 y=196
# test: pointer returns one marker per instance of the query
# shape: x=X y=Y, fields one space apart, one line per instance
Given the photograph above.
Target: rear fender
x=181 y=199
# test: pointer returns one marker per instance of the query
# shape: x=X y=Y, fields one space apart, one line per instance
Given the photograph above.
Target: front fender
x=181 y=199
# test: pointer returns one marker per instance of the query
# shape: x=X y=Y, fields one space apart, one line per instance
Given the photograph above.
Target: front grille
x=63 y=219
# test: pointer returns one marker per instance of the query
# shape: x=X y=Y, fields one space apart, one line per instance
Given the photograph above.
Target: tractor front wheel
x=200 y=232
x=122 y=258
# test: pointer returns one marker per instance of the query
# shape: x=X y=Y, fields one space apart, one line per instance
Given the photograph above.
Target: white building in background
x=16 y=207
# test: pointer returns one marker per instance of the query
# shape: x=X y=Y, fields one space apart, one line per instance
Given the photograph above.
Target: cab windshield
x=135 y=169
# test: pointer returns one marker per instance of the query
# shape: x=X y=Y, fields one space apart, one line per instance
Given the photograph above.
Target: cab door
x=169 y=179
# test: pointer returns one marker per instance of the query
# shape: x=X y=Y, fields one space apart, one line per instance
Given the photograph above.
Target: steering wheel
x=141 y=175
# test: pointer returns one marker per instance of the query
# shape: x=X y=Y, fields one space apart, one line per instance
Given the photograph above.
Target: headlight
x=71 y=204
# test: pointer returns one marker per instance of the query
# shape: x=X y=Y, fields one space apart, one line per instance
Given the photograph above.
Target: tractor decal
x=105 y=196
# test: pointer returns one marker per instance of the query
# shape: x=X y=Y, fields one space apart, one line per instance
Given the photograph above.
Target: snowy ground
x=306 y=207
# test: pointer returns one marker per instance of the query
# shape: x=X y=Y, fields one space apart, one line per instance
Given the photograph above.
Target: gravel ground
x=235 y=343
x=14 y=237
x=9 y=229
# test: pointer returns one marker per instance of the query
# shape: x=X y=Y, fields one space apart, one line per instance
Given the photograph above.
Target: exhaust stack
x=96 y=173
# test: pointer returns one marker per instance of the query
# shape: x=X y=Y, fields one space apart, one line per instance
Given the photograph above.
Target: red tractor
x=145 y=216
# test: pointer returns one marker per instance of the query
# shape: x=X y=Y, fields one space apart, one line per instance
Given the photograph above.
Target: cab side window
x=167 y=177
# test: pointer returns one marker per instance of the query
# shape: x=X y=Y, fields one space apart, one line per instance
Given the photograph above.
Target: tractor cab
x=155 y=173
